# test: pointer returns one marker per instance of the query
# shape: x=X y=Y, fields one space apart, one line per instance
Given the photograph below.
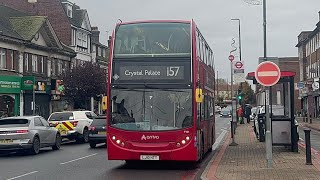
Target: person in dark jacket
x=247 y=113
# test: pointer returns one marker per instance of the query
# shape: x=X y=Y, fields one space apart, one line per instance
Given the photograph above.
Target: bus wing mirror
x=104 y=103
x=199 y=97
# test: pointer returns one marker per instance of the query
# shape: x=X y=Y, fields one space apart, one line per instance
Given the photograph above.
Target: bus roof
x=154 y=21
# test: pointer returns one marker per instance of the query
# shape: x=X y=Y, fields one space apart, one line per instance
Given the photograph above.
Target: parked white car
x=73 y=124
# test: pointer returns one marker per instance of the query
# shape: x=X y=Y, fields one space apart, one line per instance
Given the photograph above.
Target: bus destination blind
x=174 y=72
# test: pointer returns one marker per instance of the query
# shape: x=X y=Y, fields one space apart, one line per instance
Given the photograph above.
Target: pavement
x=248 y=160
x=315 y=125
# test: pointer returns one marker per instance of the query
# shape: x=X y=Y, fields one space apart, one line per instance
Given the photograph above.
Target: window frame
x=34 y=59
x=3 y=58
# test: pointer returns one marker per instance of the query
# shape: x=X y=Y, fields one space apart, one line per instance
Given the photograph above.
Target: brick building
x=29 y=47
x=309 y=58
x=69 y=21
x=100 y=52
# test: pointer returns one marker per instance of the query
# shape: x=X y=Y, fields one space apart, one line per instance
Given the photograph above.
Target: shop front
x=10 y=89
x=42 y=93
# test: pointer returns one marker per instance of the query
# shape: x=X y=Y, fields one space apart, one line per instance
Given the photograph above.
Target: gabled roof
x=27 y=26
x=5 y=25
x=22 y=27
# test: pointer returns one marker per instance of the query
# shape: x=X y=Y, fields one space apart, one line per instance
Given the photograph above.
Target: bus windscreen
x=151 y=109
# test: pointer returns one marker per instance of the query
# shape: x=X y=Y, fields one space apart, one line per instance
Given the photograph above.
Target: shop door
x=6 y=106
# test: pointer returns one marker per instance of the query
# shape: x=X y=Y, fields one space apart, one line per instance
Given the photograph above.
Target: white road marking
x=219 y=139
x=23 y=175
x=79 y=158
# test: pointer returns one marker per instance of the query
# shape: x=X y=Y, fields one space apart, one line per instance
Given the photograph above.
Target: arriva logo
x=144 y=137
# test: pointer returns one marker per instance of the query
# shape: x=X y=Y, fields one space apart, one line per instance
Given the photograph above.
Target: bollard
x=233 y=143
x=308 y=147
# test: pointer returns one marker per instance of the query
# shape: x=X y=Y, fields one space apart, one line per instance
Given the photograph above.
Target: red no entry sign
x=267 y=73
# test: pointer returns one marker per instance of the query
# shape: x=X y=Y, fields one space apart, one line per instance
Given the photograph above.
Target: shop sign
x=27 y=82
x=10 y=84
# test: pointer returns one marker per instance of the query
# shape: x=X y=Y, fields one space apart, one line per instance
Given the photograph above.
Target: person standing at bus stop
x=240 y=115
x=247 y=113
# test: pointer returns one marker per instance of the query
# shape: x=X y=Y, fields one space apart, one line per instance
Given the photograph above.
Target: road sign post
x=268 y=74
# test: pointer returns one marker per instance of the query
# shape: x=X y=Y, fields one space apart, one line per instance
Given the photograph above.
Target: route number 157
x=173 y=71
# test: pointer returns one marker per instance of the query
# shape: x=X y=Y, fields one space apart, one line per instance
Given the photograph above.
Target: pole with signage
x=268 y=74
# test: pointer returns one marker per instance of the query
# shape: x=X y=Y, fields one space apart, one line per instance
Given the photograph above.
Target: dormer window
x=69 y=10
x=68 y=7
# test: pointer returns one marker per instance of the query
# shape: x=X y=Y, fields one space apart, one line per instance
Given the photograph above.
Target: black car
x=97 y=131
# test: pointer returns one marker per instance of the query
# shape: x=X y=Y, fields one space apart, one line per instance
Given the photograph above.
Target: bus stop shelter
x=283 y=124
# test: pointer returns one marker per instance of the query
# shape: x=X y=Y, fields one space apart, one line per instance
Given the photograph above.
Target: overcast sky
x=285 y=20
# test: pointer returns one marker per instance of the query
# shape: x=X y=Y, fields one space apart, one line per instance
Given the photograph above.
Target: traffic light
x=239 y=97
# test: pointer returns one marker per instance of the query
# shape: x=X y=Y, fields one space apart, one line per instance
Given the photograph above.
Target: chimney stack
x=95 y=34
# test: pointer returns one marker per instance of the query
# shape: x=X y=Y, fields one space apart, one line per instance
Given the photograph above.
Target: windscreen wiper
x=153 y=87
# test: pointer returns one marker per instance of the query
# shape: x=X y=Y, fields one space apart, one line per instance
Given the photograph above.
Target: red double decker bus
x=161 y=92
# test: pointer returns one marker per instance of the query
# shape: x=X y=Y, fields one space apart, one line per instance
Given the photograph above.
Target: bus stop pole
x=233 y=122
x=267 y=89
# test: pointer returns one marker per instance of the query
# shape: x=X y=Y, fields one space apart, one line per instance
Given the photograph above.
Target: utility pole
x=239 y=31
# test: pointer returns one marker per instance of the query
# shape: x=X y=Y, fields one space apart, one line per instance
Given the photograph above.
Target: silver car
x=28 y=133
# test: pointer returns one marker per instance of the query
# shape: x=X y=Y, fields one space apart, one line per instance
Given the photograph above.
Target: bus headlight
x=118 y=141
x=187 y=138
x=183 y=142
x=113 y=138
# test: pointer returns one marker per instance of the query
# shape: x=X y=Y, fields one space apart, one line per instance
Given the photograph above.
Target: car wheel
x=57 y=144
x=85 y=135
x=35 y=149
x=93 y=144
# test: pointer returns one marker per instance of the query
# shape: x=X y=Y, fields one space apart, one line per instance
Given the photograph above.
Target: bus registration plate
x=149 y=157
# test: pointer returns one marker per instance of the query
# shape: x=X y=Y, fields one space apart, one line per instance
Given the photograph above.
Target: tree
x=247 y=93
x=83 y=82
x=221 y=81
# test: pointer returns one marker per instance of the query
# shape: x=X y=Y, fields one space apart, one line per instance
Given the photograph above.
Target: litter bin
x=262 y=127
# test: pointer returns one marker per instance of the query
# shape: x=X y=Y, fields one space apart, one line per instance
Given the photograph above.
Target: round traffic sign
x=231 y=57
x=267 y=73
x=238 y=65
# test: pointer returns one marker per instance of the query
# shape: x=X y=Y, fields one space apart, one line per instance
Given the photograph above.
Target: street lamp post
x=239 y=36
x=268 y=92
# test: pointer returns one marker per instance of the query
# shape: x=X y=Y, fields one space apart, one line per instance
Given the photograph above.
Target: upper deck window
x=153 y=39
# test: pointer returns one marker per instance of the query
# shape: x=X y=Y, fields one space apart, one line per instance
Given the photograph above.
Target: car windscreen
x=99 y=122
x=225 y=111
x=14 y=123
x=61 y=116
